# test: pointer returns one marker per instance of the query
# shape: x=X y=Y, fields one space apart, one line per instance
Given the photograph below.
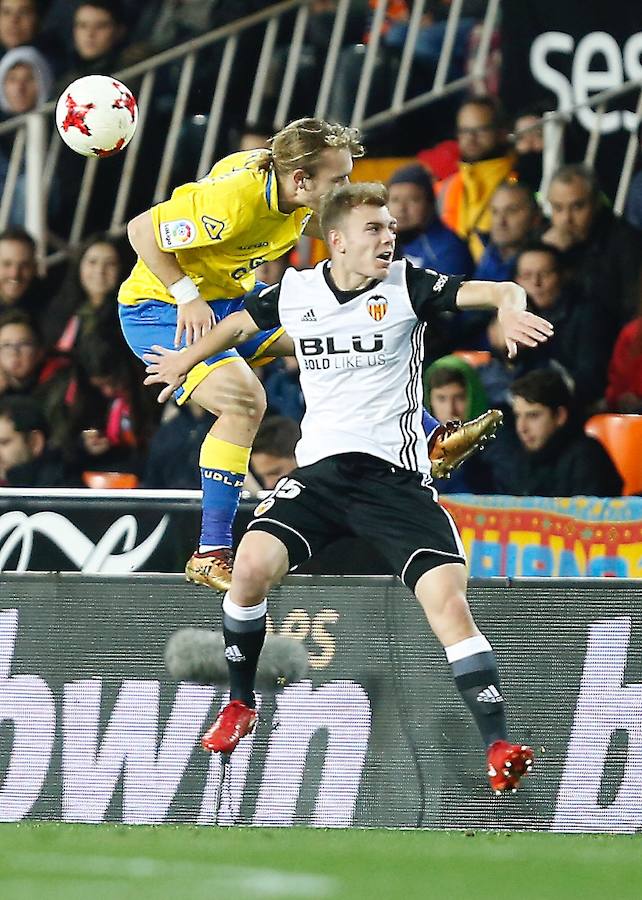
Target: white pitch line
x=259 y=882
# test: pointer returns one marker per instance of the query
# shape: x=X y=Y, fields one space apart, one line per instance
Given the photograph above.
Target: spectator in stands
x=26 y=370
x=26 y=457
x=514 y=216
x=602 y=252
x=633 y=207
x=283 y=388
x=453 y=392
x=578 y=344
x=557 y=459
x=624 y=389
x=528 y=141
x=486 y=160
x=20 y=26
x=110 y=418
x=174 y=450
x=25 y=81
x=422 y=236
x=98 y=37
x=25 y=84
x=86 y=302
x=254 y=136
x=273 y=450
x=19 y=286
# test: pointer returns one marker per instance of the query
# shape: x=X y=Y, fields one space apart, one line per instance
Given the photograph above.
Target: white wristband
x=184 y=291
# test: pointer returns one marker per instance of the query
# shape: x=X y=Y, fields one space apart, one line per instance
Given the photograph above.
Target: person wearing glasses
x=485 y=161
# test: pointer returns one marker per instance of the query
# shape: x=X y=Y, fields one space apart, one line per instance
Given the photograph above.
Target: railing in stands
x=37 y=148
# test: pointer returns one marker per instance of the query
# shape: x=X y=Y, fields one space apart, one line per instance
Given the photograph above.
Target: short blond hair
x=300 y=145
x=342 y=200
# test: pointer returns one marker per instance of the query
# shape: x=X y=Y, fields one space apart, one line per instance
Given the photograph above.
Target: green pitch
x=116 y=862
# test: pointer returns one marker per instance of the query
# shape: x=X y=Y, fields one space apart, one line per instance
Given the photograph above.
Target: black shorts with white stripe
x=359 y=495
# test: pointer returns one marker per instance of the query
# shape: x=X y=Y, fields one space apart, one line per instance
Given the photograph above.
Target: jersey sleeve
x=264 y=307
x=431 y=293
x=202 y=214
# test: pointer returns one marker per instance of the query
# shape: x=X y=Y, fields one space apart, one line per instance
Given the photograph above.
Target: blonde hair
x=300 y=145
x=339 y=202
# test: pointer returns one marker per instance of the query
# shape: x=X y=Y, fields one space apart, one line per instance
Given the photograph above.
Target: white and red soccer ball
x=96 y=115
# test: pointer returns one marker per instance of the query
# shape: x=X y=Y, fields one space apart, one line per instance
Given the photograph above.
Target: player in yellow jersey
x=197 y=254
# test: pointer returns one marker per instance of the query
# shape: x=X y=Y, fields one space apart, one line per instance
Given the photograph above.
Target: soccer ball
x=96 y=115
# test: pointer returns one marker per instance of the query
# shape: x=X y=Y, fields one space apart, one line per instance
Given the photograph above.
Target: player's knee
x=256 y=569
x=450 y=604
x=248 y=401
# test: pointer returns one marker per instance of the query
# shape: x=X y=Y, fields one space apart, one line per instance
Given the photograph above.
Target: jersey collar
x=344 y=296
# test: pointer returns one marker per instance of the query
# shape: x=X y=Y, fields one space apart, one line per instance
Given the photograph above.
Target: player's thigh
x=148 y=323
x=305 y=511
x=226 y=385
x=400 y=513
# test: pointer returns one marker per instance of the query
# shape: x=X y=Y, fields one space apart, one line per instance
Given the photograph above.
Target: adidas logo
x=490 y=695
x=233 y=654
x=309 y=316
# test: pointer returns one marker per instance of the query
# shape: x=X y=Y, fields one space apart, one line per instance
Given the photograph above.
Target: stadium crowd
x=71 y=394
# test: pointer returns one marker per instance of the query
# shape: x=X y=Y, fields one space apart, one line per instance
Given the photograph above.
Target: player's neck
x=347 y=280
x=287 y=202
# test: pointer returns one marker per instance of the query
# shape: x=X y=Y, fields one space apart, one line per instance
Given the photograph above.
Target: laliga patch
x=440 y=284
x=177 y=234
x=213 y=227
x=377 y=307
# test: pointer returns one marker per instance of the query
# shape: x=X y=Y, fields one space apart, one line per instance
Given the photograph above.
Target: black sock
x=477 y=680
x=243 y=643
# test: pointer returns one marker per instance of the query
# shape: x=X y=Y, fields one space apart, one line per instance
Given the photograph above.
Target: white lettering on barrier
x=341 y=708
x=27 y=702
x=19 y=529
x=151 y=774
x=598 y=64
x=605 y=704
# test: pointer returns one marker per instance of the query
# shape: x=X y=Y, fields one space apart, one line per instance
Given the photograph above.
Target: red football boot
x=507 y=764
x=232 y=723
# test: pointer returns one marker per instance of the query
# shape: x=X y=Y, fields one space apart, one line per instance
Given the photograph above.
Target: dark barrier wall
x=116 y=532
x=92 y=729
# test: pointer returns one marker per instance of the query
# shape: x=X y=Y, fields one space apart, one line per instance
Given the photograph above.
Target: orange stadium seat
x=110 y=480
x=621 y=437
x=473 y=357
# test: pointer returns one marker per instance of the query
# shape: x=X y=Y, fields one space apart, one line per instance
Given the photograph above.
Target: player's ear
x=299 y=176
x=336 y=241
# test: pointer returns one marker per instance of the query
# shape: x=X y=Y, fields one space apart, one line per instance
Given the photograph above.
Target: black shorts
x=359 y=495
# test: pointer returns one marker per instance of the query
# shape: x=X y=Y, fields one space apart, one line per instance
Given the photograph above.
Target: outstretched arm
x=171 y=366
x=509 y=299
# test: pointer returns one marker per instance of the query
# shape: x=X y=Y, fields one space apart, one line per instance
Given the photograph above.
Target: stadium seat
x=621 y=436
x=473 y=357
x=110 y=480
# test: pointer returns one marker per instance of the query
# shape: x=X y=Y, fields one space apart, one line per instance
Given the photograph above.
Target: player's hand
x=520 y=327
x=165 y=367
x=195 y=319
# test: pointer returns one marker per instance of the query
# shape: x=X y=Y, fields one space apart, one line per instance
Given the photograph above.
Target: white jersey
x=360 y=355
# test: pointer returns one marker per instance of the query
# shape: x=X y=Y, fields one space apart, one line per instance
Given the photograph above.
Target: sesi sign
x=597 y=63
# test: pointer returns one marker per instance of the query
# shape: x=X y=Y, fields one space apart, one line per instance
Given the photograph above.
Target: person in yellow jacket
x=197 y=257
x=463 y=199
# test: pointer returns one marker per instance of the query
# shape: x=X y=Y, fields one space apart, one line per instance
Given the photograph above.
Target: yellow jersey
x=221 y=229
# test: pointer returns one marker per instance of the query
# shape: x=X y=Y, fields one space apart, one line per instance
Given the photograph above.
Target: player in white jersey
x=363 y=469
